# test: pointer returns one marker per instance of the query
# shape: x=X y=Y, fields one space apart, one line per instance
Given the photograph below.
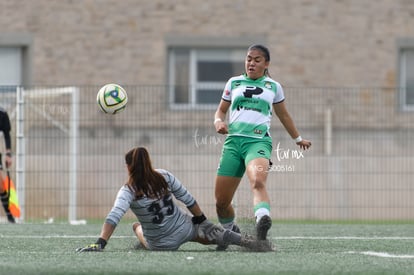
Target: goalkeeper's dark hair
x=142 y=177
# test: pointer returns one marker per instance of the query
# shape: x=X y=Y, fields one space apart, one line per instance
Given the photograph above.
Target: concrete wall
x=317 y=43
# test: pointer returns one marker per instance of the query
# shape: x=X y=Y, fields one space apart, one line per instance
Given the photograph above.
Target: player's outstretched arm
x=95 y=247
x=99 y=245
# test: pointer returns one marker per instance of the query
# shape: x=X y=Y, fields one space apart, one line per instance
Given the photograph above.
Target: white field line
x=342 y=238
x=382 y=254
x=59 y=237
x=273 y=238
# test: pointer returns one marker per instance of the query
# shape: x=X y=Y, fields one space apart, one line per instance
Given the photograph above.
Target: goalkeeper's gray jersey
x=164 y=223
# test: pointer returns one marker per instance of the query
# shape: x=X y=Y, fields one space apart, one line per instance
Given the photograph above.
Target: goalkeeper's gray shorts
x=183 y=233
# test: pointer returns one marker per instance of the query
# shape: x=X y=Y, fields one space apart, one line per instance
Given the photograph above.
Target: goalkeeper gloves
x=96 y=247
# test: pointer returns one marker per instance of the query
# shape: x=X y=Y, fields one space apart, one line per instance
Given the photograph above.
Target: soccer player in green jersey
x=249 y=99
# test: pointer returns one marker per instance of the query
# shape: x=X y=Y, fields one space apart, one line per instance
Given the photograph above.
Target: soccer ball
x=112 y=98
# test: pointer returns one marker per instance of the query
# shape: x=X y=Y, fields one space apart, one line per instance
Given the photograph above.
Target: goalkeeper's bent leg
x=227 y=237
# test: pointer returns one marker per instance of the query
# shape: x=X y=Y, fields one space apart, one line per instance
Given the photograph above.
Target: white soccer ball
x=112 y=98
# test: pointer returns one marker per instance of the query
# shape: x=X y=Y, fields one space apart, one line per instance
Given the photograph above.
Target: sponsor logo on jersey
x=258 y=131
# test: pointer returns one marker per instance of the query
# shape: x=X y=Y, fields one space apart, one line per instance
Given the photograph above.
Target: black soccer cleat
x=262 y=227
x=222 y=247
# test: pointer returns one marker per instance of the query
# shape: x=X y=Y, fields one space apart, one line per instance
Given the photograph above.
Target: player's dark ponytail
x=142 y=177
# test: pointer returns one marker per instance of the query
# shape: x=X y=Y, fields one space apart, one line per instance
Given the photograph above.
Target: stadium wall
x=312 y=43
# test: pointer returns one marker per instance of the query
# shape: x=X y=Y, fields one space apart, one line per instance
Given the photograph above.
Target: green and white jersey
x=251 y=104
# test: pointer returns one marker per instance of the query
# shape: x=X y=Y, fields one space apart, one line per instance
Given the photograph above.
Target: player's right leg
x=225 y=188
x=229 y=174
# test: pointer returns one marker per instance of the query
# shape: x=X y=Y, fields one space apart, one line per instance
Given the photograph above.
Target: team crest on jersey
x=268 y=85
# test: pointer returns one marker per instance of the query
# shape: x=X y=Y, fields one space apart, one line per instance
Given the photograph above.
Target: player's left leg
x=257 y=171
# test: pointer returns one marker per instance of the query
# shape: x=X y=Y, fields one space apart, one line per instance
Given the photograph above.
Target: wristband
x=298 y=139
x=101 y=242
x=217 y=120
x=198 y=219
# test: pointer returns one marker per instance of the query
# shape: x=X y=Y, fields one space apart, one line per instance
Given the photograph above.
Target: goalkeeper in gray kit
x=162 y=224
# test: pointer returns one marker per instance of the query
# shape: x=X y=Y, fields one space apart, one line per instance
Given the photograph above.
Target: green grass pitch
x=301 y=248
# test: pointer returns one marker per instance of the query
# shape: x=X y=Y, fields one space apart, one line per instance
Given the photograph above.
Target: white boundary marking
x=274 y=238
x=382 y=254
x=60 y=237
x=342 y=238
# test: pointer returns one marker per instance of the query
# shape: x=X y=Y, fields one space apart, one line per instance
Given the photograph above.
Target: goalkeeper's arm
x=99 y=245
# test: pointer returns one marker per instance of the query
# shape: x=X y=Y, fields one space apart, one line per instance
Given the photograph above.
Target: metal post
x=20 y=151
x=73 y=156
